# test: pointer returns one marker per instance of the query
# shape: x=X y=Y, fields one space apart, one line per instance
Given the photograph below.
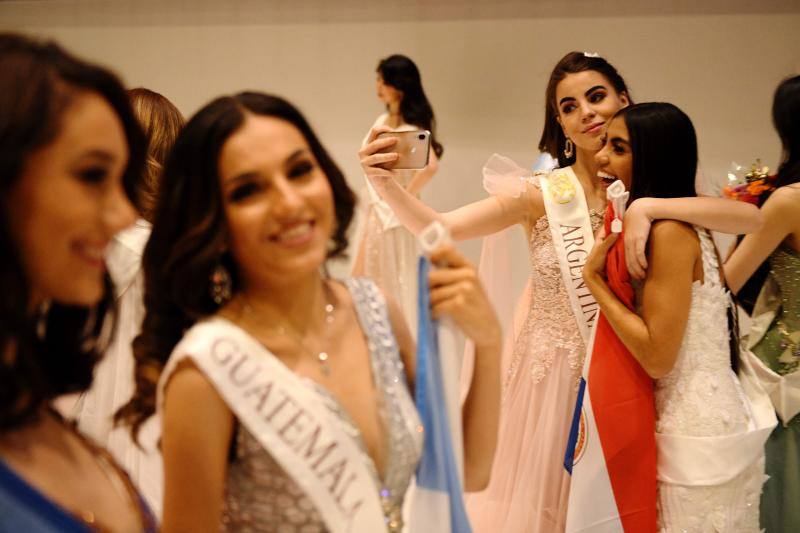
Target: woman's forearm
x=480 y=417
x=477 y=219
x=716 y=214
x=409 y=210
x=629 y=327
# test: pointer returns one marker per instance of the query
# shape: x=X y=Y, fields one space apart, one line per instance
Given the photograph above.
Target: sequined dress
x=780 y=350
x=702 y=397
x=529 y=488
x=259 y=496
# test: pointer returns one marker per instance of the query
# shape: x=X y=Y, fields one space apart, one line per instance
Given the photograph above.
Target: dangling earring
x=221 y=284
x=569 y=148
x=42 y=314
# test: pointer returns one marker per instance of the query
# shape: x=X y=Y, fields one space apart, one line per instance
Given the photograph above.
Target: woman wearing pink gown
x=529 y=488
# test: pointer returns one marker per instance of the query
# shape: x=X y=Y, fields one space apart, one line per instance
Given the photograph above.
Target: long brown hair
x=189 y=232
x=553 y=139
x=54 y=353
x=161 y=122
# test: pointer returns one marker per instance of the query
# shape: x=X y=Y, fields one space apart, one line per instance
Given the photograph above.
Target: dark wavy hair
x=38 y=84
x=786 y=119
x=402 y=74
x=664 y=148
x=161 y=122
x=189 y=230
x=553 y=139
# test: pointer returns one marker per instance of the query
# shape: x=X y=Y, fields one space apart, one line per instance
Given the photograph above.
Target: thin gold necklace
x=321 y=356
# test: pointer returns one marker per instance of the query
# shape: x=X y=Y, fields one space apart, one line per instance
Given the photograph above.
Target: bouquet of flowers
x=749 y=185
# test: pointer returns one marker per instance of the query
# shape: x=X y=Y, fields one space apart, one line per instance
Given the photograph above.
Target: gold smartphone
x=413 y=148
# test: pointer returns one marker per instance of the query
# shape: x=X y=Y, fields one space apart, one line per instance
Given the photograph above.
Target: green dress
x=780 y=351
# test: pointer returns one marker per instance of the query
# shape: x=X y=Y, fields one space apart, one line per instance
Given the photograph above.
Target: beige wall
x=484 y=65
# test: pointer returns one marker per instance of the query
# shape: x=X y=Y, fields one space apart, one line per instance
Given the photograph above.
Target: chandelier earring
x=569 y=148
x=221 y=284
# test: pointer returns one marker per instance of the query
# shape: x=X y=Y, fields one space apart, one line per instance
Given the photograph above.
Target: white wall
x=484 y=64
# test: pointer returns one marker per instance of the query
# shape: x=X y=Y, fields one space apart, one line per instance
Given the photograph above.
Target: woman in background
x=70 y=155
x=387 y=252
x=776 y=250
x=113 y=384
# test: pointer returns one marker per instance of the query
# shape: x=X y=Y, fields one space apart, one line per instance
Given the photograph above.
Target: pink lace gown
x=529 y=488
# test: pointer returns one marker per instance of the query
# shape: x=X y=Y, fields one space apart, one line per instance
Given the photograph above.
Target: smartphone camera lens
x=421 y=137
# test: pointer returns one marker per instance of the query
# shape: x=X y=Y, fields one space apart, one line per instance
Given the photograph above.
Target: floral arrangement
x=750 y=186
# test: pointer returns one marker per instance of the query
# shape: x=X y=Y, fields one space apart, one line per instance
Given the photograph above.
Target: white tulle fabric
x=701 y=401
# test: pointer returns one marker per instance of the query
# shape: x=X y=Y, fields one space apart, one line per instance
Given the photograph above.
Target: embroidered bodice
x=550 y=316
x=259 y=496
x=701 y=396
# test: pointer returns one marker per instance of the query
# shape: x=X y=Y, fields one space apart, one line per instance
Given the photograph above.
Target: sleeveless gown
x=529 y=487
x=701 y=397
x=260 y=496
x=779 y=349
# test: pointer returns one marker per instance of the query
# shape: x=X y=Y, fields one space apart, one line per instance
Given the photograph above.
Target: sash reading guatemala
x=289 y=419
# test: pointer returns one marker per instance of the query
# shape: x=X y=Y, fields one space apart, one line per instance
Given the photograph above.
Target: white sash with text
x=571 y=227
x=289 y=419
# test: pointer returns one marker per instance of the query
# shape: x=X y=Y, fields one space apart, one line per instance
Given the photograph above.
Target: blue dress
x=23 y=508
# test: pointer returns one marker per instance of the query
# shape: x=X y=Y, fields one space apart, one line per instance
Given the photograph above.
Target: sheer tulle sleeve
x=503 y=176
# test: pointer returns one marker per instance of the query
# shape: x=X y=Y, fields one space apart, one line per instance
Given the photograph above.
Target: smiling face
x=586 y=101
x=277 y=200
x=69 y=202
x=615 y=159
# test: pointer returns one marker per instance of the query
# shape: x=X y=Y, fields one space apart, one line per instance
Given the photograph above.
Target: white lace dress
x=700 y=404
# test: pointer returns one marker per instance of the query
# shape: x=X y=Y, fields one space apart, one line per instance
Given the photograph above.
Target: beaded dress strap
x=372 y=312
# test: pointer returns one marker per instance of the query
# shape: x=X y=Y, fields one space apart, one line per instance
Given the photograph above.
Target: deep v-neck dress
x=260 y=496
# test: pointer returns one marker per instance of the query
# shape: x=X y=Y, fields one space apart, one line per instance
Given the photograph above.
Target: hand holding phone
x=412 y=148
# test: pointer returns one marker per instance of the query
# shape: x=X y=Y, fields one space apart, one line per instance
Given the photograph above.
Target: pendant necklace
x=322 y=355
